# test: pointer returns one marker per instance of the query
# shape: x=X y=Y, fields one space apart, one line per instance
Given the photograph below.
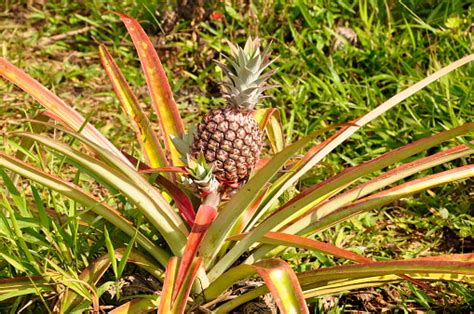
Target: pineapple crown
x=201 y=178
x=247 y=82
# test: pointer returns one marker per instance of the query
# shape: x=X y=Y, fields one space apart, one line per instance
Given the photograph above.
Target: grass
x=400 y=42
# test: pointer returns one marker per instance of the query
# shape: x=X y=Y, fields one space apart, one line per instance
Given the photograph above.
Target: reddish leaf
x=182 y=201
x=181 y=300
x=442 y=264
x=246 y=216
x=56 y=106
x=261 y=163
x=282 y=282
x=168 y=286
x=278 y=238
x=352 y=173
x=339 y=278
x=165 y=169
x=205 y=216
x=162 y=97
x=285 y=239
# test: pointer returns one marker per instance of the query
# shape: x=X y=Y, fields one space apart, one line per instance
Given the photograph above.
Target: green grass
x=400 y=42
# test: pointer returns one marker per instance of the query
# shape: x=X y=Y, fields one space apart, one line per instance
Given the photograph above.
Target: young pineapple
x=230 y=138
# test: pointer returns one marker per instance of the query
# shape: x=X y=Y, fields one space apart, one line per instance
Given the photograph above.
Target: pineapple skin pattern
x=231 y=141
x=230 y=138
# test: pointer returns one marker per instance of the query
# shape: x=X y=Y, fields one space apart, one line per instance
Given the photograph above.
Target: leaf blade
x=148 y=139
x=162 y=97
x=57 y=106
x=282 y=282
x=74 y=192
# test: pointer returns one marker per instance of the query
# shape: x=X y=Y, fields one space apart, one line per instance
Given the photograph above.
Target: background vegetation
x=399 y=43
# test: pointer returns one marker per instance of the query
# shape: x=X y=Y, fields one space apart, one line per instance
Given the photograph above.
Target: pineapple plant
x=230 y=138
x=199 y=250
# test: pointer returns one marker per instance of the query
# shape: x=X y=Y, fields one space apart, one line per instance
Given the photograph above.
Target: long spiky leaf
x=286 y=181
x=57 y=106
x=162 y=97
x=148 y=139
x=77 y=194
x=161 y=217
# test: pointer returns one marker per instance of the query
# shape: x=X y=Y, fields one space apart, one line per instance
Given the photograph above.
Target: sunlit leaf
x=58 y=107
x=312 y=196
x=205 y=216
x=148 y=139
x=270 y=120
x=341 y=278
x=19 y=286
x=162 y=97
x=139 y=191
x=283 y=284
x=167 y=292
x=388 y=196
x=322 y=150
x=181 y=299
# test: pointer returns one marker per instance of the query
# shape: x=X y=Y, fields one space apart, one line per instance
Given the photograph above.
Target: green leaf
x=138 y=190
x=14 y=261
x=126 y=255
x=76 y=193
x=305 y=12
x=131 y=173
x=344 y=213
x=388 y=196
x=89 y=278
x=44 y=219
x=307 y=202
x=148 y=139
x=20 y=286
x=380 y=182
x=342 y=278
x=111 y=252
x=142 y=304
x=92 y=274
x=320 y=151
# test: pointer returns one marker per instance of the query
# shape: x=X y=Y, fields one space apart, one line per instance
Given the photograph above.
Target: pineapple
x=230 y=138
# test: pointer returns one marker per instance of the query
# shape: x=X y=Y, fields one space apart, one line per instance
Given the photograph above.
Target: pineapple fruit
x=230 y=138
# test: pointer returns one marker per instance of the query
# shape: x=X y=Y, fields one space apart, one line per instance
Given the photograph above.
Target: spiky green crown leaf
x=201 y=177
x=247 y=82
